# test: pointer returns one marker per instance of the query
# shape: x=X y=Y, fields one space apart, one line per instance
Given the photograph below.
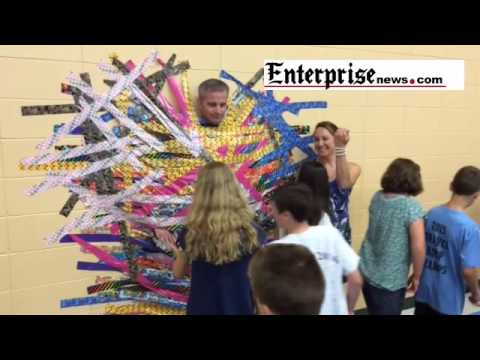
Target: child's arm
x=471 y=278
x=354 y=286
x=417 y=248
x=165 y=235
x=180 y=264
x=350 y=261
x=471 y=262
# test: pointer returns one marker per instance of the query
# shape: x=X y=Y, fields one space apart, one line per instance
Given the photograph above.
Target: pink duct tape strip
x=222 y=150
x=240 y=174
x=177 y=185
x=186 y=122
x=248 y=121
x=179 y=98
x=115 y=229
x=122 y=266
x=171 y=110
x=143 y=209
x=139 y=212
x=148 y=208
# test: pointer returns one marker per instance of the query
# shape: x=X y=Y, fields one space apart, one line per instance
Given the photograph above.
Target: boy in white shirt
x=291 y=207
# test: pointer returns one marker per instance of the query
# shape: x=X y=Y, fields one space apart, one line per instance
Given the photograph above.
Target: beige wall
x=440 y=130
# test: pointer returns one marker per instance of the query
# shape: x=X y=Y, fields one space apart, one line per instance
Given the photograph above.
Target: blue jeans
x=382 y=301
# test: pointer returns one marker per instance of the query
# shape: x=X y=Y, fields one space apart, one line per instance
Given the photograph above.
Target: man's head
x=466 y=183
x=212 y=101
x=286 y=280
x=292 y=204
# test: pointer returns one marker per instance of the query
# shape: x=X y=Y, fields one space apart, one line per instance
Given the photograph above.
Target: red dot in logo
x=412 y=81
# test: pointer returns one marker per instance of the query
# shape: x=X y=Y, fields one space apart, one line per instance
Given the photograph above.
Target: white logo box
x=364 y=75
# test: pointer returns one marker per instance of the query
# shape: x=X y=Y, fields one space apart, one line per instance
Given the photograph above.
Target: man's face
x=212 y=107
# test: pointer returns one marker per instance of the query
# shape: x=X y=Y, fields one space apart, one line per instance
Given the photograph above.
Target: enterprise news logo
x=429 y=75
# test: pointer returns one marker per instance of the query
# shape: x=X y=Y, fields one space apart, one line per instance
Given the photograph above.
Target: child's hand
x=168 y=238
x=412 y=284
x=475 y=299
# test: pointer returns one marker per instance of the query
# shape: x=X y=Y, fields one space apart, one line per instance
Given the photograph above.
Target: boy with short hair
x=453 y=251
x=286 y=280
x=291 y=207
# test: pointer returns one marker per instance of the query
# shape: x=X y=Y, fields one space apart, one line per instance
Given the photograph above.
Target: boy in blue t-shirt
x=453 y=251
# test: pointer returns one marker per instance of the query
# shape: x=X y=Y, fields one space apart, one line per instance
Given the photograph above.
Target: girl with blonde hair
x=219 y=240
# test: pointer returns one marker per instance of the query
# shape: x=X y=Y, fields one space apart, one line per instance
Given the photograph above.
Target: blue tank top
x=339 y=199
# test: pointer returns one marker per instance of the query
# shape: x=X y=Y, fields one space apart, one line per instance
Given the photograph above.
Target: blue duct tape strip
x=270 y=109
x=92 y=238
x=267 y=103
x=88 y=300
x=106 y=117
x=94 y=266
x=76 y=131
x=249 y=148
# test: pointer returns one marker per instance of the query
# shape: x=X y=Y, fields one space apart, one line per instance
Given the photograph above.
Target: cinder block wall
x=439 y=130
